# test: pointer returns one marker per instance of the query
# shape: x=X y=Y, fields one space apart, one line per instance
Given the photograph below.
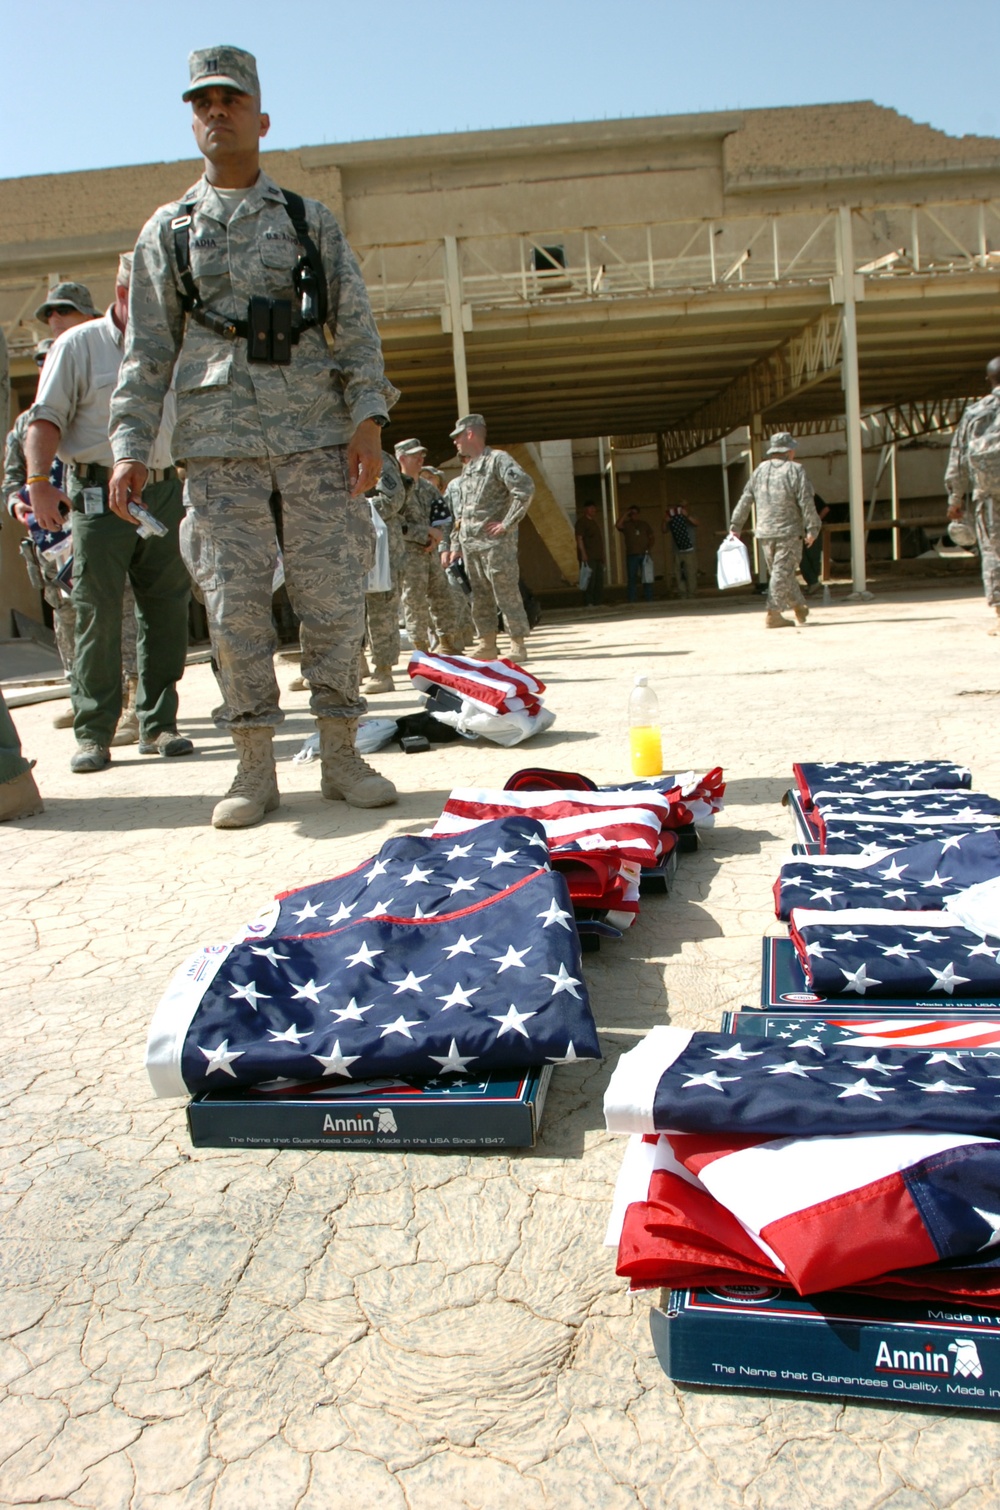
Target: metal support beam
x=453 y=286
x=845 y=288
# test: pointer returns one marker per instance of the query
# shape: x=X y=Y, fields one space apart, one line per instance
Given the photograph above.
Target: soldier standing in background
x=464 y=631
x=959 y=479
x=382 y=608
x=786 y=514
x=234 y=284
x=488 y=500
x=426 y=595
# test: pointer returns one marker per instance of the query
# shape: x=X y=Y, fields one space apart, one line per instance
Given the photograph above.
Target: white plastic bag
x=586 y=572
x=501 y=728
x=733 y=563
x=648 y=569
x=379 y=579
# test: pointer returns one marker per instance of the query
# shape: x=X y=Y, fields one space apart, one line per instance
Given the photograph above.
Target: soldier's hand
x=956 y=509
x=364 y=457
x=127 y=482
x=495 y=531
x=47 y=505
x=734 y=534
x=810 y=539
x=22 y=511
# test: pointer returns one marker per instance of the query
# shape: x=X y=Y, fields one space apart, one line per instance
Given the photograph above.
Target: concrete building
x=668 y=284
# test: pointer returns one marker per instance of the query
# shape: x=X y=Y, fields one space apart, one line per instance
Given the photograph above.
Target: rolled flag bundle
x=878 y=775
x=913 y=878
x=497 y=699
x=396 y=989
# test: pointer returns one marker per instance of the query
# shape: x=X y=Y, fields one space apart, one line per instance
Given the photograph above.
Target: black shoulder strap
x=181 y=227
x=295 y=205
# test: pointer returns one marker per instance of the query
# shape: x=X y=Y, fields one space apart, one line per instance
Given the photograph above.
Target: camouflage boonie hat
x=410 y=447
x=67 y=296
x=782 y=440
x=475 y=421
x=229 y=67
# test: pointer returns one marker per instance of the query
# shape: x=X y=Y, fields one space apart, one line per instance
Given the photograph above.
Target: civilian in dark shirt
x=638 y=540
x=590 y=552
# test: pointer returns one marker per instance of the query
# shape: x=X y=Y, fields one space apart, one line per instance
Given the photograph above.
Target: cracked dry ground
x=277 y=1329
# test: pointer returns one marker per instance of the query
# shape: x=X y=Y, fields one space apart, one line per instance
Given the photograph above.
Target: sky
x=95 y=84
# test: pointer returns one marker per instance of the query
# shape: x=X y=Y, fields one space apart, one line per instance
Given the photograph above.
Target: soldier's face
x=411 y=462
x=64 y=319
x=227 y=123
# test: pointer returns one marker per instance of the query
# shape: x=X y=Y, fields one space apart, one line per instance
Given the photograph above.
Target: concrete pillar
x=453 y=285
x=846 y=293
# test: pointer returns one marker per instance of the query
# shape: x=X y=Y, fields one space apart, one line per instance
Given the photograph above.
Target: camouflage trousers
x=988 y=535
x=427 y=598
x=494 y=578
x=229 y=545
x=782 y=556
x=460 y=604
x=382 y=620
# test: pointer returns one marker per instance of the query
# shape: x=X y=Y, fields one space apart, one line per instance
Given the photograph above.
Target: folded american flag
x=848 y=1213
x=878 y=775
x=847 y=836
x=495 y=686
x=387 y=991
x=913 y=878
x=718 y=1084
x=626 y=824
x=875 y=952
x=703 y=796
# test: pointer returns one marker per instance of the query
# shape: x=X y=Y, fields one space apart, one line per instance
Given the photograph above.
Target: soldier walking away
x=382 y=608
x=234 y=283
x=427 y=598
x=70 y=418
x=786 y=515
x=974 y=468
x=488 y=501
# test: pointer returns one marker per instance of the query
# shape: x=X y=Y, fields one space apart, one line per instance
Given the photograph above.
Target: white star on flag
x=463 y=883
x=861 y=1087
x=248 y=993
x=952 y=842
x=364 y=956
x=713 y=1080
x=900 y=893
x=873 y=1062
x=418 y=912
x=941 y=1056
x=818 y=950
x=570 y=1056
x=555 y=914
x=336 y=1063
x=946 y=979
x=462 y=945
x=848 y=937
x=935 y=880
x=416 y=875
x=342 y=913
x=410 y=982
x=458 y=997
x=380 y=910
x=563 y=982
x=787 y=1067
x=512 y=1021
x=308 y=911
x=858 y=980
x=378 y=869
x=941 y=1087
x=893 y=871
x=992 y=1220
x=309 y=992
x=351 y=1013
x=401 y=1025
x=540 y=841
x=503 y=857
x=268 y=953
x=290 y=1035
x=825 y=894
x=459 y=852
x=221 y=1058
x=735 y=1051
x=980 y=948
x=808 y=1043
x=453 y=1063
x=899 y=951
x=512 y=960
x=927 y=938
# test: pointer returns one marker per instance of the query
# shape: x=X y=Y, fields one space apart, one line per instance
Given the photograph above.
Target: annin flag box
x=783 y=987
x=757 y=1337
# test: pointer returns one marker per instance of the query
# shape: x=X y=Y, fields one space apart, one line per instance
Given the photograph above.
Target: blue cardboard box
x=497 y=1111
x=783 y=987
x=758 y=1337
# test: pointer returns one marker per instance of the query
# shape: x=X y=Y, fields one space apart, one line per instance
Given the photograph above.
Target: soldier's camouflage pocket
x=204 y=394
x=198 y=552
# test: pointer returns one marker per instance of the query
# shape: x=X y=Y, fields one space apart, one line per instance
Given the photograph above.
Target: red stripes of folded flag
x=496 y=686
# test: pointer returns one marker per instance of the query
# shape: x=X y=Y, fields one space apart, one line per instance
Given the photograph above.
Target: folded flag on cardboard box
x=913 y=878
x=878 y=775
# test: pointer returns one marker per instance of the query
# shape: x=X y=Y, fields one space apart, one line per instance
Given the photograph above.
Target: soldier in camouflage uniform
x=426 y=596
x=786 y=513
x=464 y=631
x=258 y=420
x=487 y=502
x=959 y=481
x=382 y=608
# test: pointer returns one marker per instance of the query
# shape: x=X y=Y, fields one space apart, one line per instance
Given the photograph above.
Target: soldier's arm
x=390 y=490
x=152 y=342
x=357 y=348
x=65 y=378
x=807 y=503
x=415 y=516
x=14 y=470
x=520 y=490
x=956 y=477
x=742 y=510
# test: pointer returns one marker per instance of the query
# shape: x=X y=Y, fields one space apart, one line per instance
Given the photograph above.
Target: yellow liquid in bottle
x=646 y=751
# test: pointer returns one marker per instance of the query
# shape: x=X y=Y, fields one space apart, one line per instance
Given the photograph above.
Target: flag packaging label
x=952 y=1031
x=497 y=1111
x=783 y=987
x=757 y=1337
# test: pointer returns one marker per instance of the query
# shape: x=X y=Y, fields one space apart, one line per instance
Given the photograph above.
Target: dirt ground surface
x=242 y=1329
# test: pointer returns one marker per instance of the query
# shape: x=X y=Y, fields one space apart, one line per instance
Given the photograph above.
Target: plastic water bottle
x=644 y=730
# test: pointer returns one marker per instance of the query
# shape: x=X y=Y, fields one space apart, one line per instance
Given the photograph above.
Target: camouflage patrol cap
x=781 y=440
x=410 y=447
x=468 y=422
x=42 y=350
x=67 y=296
x=229 y=67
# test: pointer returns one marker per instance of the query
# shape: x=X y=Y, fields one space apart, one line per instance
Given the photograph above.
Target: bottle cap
x=641 y=681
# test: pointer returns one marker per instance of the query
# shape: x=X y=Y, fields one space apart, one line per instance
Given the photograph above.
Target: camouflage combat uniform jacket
x=958 y=477
x=421 y=496
x=784 y=498
x=492 y=489
x=226 y=405
x=389 y=497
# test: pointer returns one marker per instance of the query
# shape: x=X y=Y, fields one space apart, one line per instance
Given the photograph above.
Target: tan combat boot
x=254 y=791
x=346 y=777
x=775 y=620
x=127 y=732
x=64 y=720
x=423 y=645
x=20 y=798
x=380 y=681
x=801 y=613
x=485 y=649
x=518 y=650
x=446 y=646
x=298 y=684
x=995 y=628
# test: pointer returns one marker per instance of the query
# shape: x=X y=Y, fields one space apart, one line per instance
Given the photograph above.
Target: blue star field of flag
x=902 y=958
x=880 y=775
x=848 y=836
x=910 y=879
